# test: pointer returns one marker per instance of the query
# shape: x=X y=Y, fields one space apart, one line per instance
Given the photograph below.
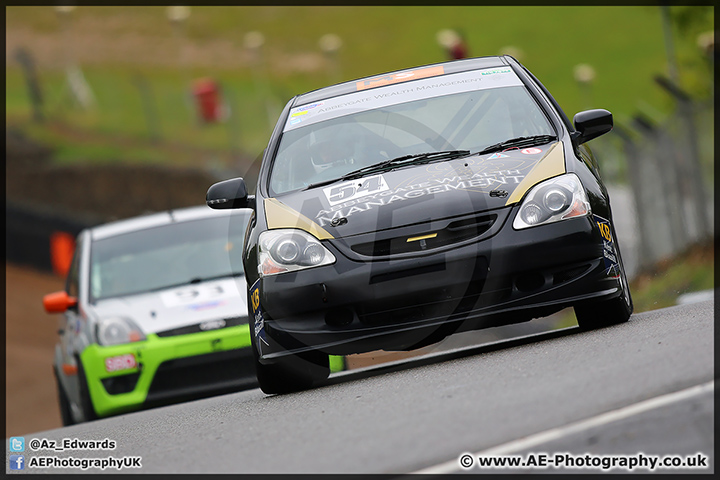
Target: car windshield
x=465 y=111
x=165 y=256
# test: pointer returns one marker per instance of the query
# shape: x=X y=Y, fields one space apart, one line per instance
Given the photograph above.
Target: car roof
x=448 y=67
x=157 y=219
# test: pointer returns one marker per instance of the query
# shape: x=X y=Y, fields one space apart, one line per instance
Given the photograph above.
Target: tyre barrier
x=32 y=233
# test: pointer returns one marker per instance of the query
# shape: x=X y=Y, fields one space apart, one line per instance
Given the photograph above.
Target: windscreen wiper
x=393 y=163
x=214 y=277
x=518 y=142
x=194 y=281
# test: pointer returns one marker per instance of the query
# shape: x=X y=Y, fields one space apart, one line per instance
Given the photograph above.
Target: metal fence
x=669 y=168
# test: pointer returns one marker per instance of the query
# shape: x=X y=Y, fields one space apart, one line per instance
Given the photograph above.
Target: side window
x=72 y=285
x=560 y=111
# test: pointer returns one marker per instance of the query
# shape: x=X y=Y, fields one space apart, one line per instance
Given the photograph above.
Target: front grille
x=184 y=377
x=395 y=275
x=121 y=383
x=443 y=303
x=229 y=322
x=563 y=276
x=466 y=290
x=454 y=232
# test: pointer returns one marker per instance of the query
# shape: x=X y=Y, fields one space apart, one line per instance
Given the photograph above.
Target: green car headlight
x=117 y=331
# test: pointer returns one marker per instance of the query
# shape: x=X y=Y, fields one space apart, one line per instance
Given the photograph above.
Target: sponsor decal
x=120 y=362
x=478 y=176
x=355 y=188
x=497 y=155
x=212 y=324
x=612 y=269
x=259 y=321
x=296 y=114
x=200 y=297
x=305 y=108
x=475 y=182
x=531 y=151
x=399 y=77
x=206 y=305
x=495 y=71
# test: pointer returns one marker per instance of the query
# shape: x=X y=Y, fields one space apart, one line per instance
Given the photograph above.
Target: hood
x=416 y=194
x=180 y=306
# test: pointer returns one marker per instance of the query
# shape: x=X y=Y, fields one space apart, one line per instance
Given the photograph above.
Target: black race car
x=395 y=210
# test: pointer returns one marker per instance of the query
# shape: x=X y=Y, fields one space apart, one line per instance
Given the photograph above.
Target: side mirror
x=58 y=302
x=229 y=194
x=591 y=124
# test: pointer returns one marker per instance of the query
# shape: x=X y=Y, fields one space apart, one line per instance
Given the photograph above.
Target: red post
x=207 y=94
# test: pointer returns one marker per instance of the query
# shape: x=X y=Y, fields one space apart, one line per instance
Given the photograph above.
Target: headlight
x=118 y=330
x=287 y=250
x=553 y=200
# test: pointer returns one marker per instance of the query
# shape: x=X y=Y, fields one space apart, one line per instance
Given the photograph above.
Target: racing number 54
x=351 y=189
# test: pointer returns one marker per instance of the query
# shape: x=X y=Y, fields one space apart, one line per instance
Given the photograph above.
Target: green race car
x=155 y=312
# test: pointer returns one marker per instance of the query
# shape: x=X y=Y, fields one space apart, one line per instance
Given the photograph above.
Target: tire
x=65 y=412
x=85 y=401
x=291 y=373
x=591 y=316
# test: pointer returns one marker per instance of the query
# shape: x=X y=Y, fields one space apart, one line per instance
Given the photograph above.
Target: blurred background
x=113 y=112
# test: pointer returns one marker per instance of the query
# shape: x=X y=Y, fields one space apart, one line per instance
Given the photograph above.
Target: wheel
x=65 y=412
x=610 y=312
x=85 y=401
x=291 y=373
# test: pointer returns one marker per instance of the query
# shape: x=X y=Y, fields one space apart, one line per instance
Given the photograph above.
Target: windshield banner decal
x=395 y=94
x=400 y=77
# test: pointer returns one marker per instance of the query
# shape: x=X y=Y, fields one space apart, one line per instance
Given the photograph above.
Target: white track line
x=453 y=466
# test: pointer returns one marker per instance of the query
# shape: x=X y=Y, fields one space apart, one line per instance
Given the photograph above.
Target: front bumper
x=513 y=276
x=169 y=369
